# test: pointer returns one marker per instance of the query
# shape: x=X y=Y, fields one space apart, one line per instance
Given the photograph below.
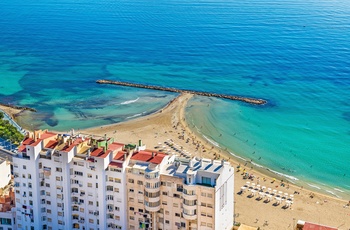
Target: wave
x=337 y=189
x=211 y=141
x=136 y=115
x=314 y=186
x=283 y=175
x=333 y=193
x=236 y=156
x=129 y=102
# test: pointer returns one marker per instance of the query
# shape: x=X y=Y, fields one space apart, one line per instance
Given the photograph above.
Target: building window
x=206 y=180
x=131 y=181
x=89 y=175
x=58 y=169
x=177 y=214
x=131 y=190
x=24 y=167
x=167 y=221
x=210 y=195
x=139 y=182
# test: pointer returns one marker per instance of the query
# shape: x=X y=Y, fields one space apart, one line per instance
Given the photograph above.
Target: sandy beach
x=169 y=126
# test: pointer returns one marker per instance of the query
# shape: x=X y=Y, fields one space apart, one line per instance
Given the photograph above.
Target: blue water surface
x=295 y=54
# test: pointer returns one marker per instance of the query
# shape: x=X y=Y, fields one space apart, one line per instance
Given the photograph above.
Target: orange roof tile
x=104 y=155
x=97 y=152
x=146 y=156
x=52 y=144
x=114 y=146
x=75 y=142
x=119 y=156
x=47 y=135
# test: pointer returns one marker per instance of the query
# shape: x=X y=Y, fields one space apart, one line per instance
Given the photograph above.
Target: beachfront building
x=170 y=193
x=68 y=181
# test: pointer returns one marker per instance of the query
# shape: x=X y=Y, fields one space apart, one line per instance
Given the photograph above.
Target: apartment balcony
x=152 y=207
x=189 y=216
x=189 y=207
x=189 y=196
x=152 y=199
x=152 y=189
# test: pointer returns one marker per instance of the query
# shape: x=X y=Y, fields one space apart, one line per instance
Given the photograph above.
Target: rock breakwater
x=255 y=101
x=18 y=107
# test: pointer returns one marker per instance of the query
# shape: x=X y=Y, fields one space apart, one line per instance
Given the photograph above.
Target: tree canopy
x=9 y=132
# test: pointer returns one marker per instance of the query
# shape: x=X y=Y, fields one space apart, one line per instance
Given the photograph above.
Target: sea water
x=295 y=54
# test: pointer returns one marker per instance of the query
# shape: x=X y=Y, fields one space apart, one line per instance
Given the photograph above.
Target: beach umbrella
x=253 y=184
x=269 y=189
x=248 y=183
x=274 y=191
x=263 y=187
x=280 y=192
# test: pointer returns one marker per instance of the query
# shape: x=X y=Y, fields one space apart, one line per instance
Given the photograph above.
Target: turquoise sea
x=293 y=53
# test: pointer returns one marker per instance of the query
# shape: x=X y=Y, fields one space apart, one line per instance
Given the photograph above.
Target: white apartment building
x=70 y=182
x=67 y=181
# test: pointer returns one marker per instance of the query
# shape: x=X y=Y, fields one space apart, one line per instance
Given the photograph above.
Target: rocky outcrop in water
x=18 y=107
x=249 y=100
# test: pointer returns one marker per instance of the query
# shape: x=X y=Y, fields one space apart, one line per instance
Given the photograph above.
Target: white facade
x=5 y=172
x=72 y=182
x=68 y=182
x=7 y=221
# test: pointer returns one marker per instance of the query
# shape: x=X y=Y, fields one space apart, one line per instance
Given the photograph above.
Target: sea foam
x=130 y=101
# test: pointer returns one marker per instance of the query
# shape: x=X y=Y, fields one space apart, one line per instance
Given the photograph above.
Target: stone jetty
x=18 y=107
x=249 y=100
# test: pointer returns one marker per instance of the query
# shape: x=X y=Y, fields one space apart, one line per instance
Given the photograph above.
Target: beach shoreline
x=169 y=123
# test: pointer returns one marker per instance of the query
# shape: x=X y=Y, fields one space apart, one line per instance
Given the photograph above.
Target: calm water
x=295 y=54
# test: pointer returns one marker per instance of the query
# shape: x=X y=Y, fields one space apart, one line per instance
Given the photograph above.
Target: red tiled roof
x=104 y=155
x=146 y=156
x=116 y=164
x=36 y=143
x=114 y=146
x=311 y=226
x=52 y=144
x=70 y=147
x=47 y=135
x=22 y=149
x=28 y=141
x=119 y=156
x=97 y=152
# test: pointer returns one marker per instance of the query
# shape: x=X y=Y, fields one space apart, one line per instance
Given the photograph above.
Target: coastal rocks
x=18 y=107
x=249 y=100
